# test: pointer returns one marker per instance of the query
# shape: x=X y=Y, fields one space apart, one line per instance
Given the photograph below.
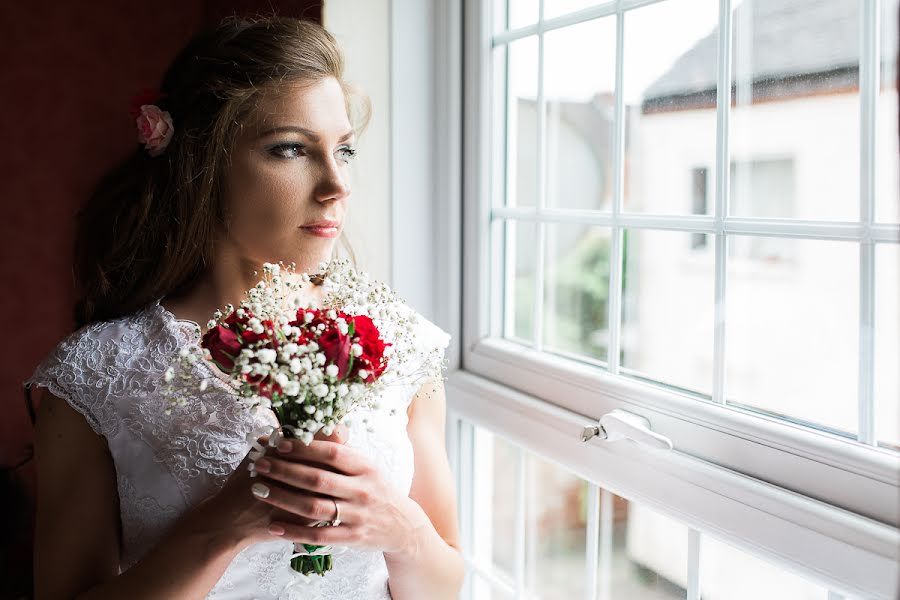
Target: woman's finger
x=306 y=477
x=343 y=458
x=320 y=536
x=300 y=503
x=338 y=435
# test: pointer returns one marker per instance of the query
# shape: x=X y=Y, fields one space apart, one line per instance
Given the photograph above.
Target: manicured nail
x=263 y=466
x=260 y=490
x=276 y=530
x=285 y=446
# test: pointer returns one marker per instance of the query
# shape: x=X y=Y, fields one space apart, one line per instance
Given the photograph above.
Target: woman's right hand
x=237 y=515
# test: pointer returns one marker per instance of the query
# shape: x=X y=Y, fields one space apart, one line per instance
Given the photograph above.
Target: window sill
x=824 y=542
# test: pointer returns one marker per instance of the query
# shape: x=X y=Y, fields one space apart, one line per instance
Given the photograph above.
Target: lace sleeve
x=433 y=338
x=74 y=372
x=433 y=342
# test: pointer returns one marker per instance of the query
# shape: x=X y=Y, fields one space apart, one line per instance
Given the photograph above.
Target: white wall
x=362 y=29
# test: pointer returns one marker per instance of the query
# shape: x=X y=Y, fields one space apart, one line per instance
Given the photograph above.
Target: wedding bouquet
x=311 y=366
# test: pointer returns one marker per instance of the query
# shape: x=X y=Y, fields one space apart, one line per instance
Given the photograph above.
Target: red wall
x=69 y=70
x=68 y=76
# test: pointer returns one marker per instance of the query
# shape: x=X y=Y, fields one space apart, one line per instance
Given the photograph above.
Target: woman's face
x=290 y=171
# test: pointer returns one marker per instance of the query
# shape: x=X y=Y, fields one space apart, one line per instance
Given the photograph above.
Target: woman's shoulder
x=429 y=333
x=100 y=350
x=109 y=359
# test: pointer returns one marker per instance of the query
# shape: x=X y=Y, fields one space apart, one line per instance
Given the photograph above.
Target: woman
x=245 y=159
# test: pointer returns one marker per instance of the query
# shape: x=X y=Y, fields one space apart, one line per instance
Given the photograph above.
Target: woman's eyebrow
x=301 y=130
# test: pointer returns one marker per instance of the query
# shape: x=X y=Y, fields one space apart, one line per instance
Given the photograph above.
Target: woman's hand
x=236 y=515
x=300 y=482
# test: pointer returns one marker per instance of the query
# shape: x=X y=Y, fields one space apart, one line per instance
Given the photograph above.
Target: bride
x=244 y=158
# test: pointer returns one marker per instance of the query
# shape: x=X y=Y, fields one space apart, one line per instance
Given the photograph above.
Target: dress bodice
x=112 y=371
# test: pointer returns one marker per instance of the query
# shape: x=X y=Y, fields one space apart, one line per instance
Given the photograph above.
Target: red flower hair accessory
x=154 y=125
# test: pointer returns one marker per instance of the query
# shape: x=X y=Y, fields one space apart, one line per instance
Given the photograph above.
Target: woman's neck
x=227 y=283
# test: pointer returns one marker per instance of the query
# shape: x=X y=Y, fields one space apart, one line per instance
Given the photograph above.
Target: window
x=696 y=224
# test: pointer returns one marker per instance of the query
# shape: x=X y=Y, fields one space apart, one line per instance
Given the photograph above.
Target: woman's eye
x=287 y=150
x=348 y=153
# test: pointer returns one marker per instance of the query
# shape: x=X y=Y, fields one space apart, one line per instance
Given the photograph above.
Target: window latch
x=620 y=425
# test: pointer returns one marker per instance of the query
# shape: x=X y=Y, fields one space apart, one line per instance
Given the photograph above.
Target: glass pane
x=579 y=83
x=555 y=8
x=792 y=332
x=796 y=75
x=576 y=290
x=556 y=531
x=669 y=88
x=494 y=496
x=519 y=281
x=763 y=188
x=499 y=127
x=503 y=503
x=729 y=573
x=649 y=554
x=887 y=344
x=521 y=122
x=522 y=13
x=887 y=188
x=668 y=303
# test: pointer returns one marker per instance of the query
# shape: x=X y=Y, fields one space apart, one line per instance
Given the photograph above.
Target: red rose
x=268 y=335
x=233 y=318
x=224 y=346
x=336 y=347
x=372 y=357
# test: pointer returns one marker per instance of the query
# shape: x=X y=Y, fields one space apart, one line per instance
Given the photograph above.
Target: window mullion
x=723 y=114
x=615 y=258
x=869 y=86
x=606 y=543
x=520 y=524
x=592 y=541
x=540 y=242
x=693 y=565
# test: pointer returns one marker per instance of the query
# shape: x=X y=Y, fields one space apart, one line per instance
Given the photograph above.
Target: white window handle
x=620 y=424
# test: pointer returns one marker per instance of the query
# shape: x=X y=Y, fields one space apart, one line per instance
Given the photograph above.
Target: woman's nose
x=334 y=183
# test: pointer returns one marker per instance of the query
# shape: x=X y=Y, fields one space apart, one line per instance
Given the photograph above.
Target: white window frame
x=823 y=505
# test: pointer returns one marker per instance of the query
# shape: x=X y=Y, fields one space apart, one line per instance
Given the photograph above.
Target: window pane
x=669 y=87
x=729 y=573
x=522 y=13
x=649 y=554
x=792 y=330
x=887 y=344
x=668 y=303
x=576 y=290
x=519 y=281
x=887 y=189
x=512 y=14
x=556 y=531
x=579 y=82
x=521 y=122
x=495 y=496
x=763 y=188
x=555 y=8
x=796 y=77
x=503 y=503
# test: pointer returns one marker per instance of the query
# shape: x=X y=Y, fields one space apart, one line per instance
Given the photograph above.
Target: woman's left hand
x=374 y=514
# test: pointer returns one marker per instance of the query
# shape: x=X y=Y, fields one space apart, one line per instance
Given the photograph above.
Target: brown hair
x=148 y=229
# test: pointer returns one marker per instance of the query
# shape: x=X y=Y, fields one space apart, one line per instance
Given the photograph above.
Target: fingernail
x=263 y=466
x=285 y=446
x=276 y=530
x=260 y=490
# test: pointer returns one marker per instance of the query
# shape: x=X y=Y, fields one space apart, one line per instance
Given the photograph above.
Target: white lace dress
x=111 y=372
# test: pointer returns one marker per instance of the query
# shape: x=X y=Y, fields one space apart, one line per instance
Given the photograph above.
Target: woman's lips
x=326 y=232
